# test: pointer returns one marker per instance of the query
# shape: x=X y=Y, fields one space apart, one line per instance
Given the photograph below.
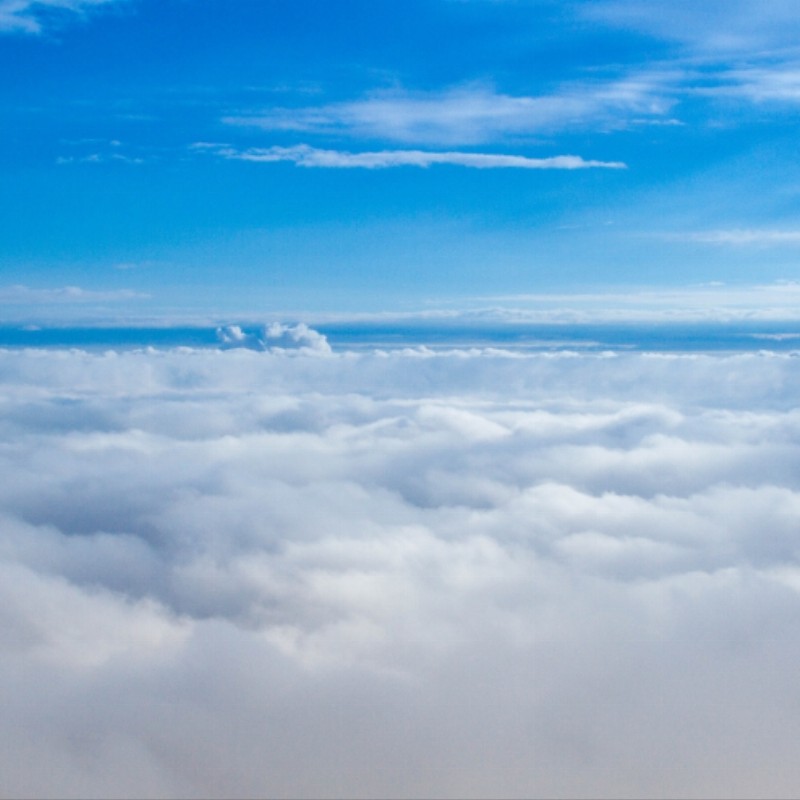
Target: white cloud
x=731 y=49
x=711 y=302
x=467 y=573
x=100 y=158
x=276 y=338
x=770 y=83
x=742 y=236
x=26 y=15
x=475 y=114
x=711 y=27
x=25 y=295
x=306 y=156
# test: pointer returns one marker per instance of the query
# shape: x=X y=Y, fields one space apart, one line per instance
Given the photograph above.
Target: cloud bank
x=471 y=573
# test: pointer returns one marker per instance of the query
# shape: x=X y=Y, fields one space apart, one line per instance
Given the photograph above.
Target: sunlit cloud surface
x=295 y=572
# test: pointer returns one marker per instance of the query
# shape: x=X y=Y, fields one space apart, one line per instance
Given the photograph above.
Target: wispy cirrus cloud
x=708 y=302
x=764 y=83
x=26 y=16
x=734 y=49
x=100 y=158
x=710 y=27
x=473 y=114
x=19 y=294
x=306 y=156
x=741 y=236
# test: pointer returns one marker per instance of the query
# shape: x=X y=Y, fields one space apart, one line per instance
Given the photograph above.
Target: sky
x=224 y=159
x=293 y=505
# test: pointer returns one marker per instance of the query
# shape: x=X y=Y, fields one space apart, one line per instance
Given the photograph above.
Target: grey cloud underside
x=233 y=573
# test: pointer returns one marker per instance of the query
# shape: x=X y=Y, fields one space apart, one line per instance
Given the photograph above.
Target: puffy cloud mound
x=465 y=573
x=276 y=337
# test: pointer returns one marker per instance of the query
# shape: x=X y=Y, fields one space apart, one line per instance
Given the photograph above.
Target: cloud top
x=456 y=573
x=275 y=337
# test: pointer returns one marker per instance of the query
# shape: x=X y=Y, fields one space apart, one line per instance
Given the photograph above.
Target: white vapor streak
x=743 y=236
x=712 y=27
x=475 y=114
x=19 y=294
x=306 y=156
x=23 y=15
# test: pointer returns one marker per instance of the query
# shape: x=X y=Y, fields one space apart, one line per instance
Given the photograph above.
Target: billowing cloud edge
x=398 y=574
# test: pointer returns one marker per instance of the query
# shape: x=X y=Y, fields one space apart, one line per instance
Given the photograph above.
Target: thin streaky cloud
x=704 y=304
x=475 y=114
x=761 y=84
x=306 y=156
x=24 y=16
x=678 y=296
x=741 y=236
x=712 y=27
x=65 y=294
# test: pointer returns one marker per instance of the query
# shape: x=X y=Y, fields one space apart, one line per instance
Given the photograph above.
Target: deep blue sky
x=224 y=157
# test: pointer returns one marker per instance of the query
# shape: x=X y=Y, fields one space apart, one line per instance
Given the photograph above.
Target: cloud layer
x=239 y=573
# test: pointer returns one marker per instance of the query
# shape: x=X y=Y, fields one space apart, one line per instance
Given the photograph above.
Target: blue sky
x=198 y=157
x=431 y=555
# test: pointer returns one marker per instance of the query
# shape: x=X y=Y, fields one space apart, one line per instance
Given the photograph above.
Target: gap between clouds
x=306 y=156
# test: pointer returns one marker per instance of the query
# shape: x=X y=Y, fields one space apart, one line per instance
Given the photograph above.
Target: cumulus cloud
x=277 y=338
x=475 y=113
x=26 y=16
x=468 y=572
x=306 y=156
